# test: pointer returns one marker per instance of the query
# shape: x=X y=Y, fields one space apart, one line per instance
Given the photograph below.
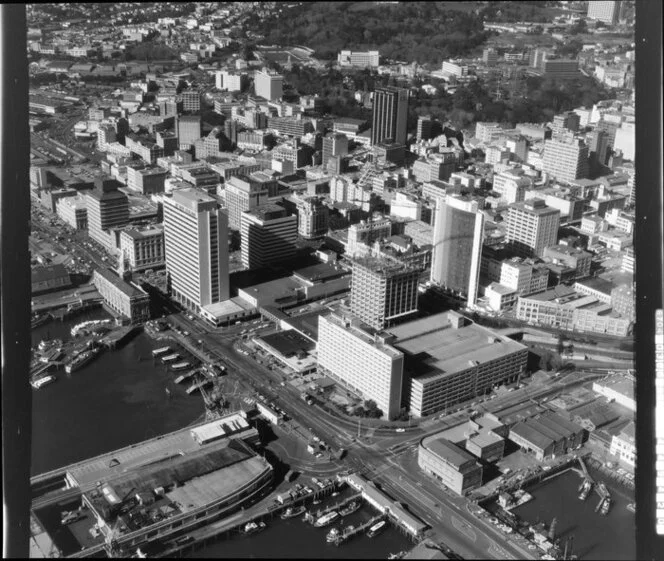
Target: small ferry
x=585 y=490
x=42 y=381
x=631 y=507
x=170 y=358
x=161 y=351
x=253 y=528
x=81 y=360
x=327 y=519
x=352 y=507
x=332 y=535
x=182 y=377
x=376 y=529
x=606 y=505
x=180 y=366
x=291 y=512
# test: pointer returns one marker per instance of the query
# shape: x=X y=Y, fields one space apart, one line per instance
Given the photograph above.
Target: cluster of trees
x=151 y=51
x=548 y=359
x=512 y=12
x=397 y=30
x=369 y=410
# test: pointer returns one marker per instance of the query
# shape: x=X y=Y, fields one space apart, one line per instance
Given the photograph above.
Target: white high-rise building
x=196 y=248
x=512 y=185
x=363 y=362
x=606 y=12
x=268 y=85
x=457 y=246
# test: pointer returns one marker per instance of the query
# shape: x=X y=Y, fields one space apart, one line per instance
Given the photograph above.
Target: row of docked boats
x=335 y=533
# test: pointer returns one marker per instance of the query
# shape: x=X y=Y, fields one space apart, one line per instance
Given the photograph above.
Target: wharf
x=347 y=534
x=119 y=336
x=322 y=512
x=234 y=523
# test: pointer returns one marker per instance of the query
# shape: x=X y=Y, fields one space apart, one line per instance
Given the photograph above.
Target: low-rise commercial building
x=452 y=466
x=73 y=211
x=547 y=435
x=623 y=444
x=49 y=279
x=121 y=296
x=617 y=388
x=143 y=249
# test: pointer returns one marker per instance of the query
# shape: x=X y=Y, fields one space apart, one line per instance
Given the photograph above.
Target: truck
x=306 y=398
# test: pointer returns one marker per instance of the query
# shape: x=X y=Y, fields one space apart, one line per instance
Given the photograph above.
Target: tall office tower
x=169 y=108
x=188 y=129
x=424 y=127
x=598 y=147
x=196 y=248
x=230 y=130
x=312 y=217
x=457 y=246
x=334 y=144
x=531 y=227
x=268 y=235
x=566 y=161
x=383 y=290
x=564 y=123
x=191 y=100
x=390 y=115
x=268 y=85
x=107 y=208
x=105 y=135
x=606 y=12
x=243 y=193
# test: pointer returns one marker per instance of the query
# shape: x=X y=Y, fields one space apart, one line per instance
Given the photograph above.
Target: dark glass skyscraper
x=390 y=114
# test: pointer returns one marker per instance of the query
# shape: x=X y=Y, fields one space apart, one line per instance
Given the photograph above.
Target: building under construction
x=383 y=291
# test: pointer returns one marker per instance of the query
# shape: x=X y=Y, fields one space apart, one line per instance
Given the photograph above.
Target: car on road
x=401 y=430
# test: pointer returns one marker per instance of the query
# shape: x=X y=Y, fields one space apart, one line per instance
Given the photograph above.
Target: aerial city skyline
x=365 y=266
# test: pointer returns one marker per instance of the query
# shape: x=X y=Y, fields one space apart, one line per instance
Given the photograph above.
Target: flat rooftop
x=320 y=273
x=441 y=348
x=288 y=343
x=619 y=384
x=103 y=468
x=448 y=451
x=307 y=324
x=129 y=289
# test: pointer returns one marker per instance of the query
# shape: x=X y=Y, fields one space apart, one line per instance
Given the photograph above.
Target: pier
x=347 y=534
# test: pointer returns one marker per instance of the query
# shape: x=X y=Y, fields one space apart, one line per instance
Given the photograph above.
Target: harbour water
x=120 y=399
x=296 y=539
x=116 y=400
x=595 y=536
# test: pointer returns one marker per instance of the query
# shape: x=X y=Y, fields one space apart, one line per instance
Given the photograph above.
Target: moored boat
x=376 y=529
x=327 y=519
x=631 y=507
x=38 y=383
x=161 y=351
x=253 y=527
x=81 y=360
x=291 y=512
x=352 y=507
x=332 y=535
x=606 y=505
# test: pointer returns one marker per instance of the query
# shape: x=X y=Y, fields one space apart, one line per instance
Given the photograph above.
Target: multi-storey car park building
x=268 y=235
x=196 y=248
x=450 y=360
x=390 y=115
x=362 y=360
x=457 y=246
x=383 y=290
x=143 y=249
x=531 y=227
x=122 y=296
